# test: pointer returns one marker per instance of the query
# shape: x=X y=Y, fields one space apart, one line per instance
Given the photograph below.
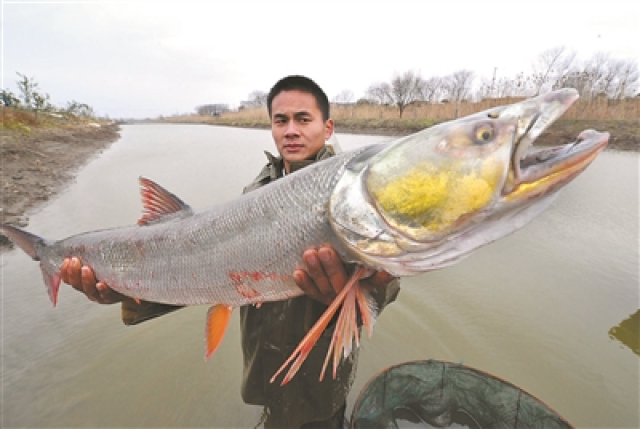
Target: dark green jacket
x=271 y=332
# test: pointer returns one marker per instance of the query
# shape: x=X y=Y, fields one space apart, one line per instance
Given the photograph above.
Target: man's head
x=300 y=120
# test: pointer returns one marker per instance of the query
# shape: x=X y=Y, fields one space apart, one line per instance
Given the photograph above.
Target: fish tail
x=30 y=243
x=23 y=239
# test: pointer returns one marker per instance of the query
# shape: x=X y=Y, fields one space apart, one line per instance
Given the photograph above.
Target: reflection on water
x=628 y=332
x=534 y=308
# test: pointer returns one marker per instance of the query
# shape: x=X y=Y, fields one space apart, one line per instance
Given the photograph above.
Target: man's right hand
x=83 y=279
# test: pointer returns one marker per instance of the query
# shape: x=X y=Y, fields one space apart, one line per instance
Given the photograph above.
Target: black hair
x=303 y=84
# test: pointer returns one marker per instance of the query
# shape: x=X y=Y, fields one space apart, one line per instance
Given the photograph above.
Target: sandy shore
x=38 y=166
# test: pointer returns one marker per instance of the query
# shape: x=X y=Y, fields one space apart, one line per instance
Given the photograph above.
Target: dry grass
x=598 y=109
x=619 y=117
x=25 y=123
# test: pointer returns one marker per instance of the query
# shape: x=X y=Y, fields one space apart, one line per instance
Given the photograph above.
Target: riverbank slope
x=40 y=156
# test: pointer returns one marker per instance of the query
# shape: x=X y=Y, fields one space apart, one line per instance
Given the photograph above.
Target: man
x=300 y=125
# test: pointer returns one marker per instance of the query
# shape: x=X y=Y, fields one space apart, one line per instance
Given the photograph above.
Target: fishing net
x=443 y=394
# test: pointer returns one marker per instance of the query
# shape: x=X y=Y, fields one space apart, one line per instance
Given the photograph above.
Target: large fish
x=412 y=205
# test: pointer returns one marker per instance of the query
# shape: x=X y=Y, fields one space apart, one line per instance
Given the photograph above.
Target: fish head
x=427 y=200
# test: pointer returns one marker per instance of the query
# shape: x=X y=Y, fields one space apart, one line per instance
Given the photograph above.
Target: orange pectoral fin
x=217 y=320
x=346 y=333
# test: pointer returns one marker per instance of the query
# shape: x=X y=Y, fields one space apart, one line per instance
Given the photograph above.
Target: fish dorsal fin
x=158 y=203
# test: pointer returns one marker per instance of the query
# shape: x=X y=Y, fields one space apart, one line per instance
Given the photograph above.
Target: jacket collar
x=277 y=163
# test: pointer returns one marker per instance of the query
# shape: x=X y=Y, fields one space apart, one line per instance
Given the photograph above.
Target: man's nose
x=291 y=129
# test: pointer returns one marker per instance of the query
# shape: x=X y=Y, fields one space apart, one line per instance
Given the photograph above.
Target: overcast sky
x=144 y=59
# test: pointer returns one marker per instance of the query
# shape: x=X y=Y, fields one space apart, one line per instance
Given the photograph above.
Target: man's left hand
x=325 y=275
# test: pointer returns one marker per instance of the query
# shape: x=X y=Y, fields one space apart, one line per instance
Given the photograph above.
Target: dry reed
x=596 y=109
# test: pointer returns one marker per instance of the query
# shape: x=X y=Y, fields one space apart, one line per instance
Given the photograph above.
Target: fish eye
x=484 y=134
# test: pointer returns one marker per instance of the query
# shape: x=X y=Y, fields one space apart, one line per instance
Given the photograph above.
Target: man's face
x=297 y=126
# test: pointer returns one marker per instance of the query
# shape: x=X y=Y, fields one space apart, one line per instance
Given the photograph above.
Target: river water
x=537 y=308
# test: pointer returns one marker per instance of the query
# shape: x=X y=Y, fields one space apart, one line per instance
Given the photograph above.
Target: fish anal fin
x=217 y=320
x=52 y=281
x=158 y=203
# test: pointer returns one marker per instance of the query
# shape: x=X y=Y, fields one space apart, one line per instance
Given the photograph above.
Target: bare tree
x=40 y=102
x=628 y=79
x=597 y=72
x=27 y=86
x=603 y=76
x=432 y=89
x=32 y=98
x=551 y=66
x=80 y=109
x=256 y=99
x=345 y=96
x=458 y=85
x=212 y=109
x=379 y=93
x=405 y=89
x=578 y=79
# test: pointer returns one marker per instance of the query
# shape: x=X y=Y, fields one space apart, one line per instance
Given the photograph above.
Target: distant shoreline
x=625 y=135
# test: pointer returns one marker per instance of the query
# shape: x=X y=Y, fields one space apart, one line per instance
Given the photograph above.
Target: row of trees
x=599 y=76
x=31 y=97
x=212 y=109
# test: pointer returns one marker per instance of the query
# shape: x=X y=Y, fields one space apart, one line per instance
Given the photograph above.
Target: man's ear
x=328 y=129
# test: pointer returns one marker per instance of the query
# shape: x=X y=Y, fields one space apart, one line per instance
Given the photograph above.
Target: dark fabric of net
x=442 y=394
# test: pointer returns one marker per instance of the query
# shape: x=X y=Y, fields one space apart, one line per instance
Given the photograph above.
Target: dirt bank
x=37 y=166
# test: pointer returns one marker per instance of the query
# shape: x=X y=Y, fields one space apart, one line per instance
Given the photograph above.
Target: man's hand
x=83 y=279
x=325 y=275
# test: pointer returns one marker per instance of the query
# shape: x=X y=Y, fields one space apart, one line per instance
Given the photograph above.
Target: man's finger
x=333 y=267
x=305 y=283
x=63 y=270
x=74 y=274
x=88 y=278
x=316 y=273
x=106 y=295
x=88 y=281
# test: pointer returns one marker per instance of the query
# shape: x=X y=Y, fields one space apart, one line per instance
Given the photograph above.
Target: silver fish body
x=241 y=253
x=412 y=205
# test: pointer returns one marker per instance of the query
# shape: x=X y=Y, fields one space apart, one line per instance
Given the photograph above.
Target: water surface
x=535 y=308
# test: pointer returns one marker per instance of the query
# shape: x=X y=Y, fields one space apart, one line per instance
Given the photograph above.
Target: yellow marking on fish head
x=425 y=194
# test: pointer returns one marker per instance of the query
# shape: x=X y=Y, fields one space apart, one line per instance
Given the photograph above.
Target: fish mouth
x=533 y=171
x=537 y=164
